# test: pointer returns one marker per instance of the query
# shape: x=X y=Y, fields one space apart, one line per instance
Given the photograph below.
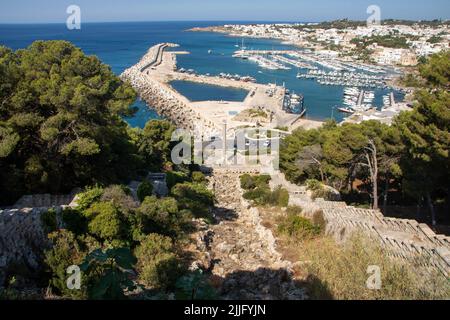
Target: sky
x=51 y=11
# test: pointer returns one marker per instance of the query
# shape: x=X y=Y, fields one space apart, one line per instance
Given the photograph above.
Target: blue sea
x=121 y=45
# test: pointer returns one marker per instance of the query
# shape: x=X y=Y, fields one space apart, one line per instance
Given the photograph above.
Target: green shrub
x=279 y=197
x=259 y=195
x=262 y=195
x=109 y=273
x=194 y=197
x=247 y=182
x=158 y=265
x=294 y=210
x=195 y=286
x=298 y=227
x=262 y=180
x=314 y=185
x=145 y=189
x=105 y=221
x=175 y=177
x=89 y=196
x=161 y=216
x=74 y=221
x=198 y=177
x=65 y=252
x=49 y=221
x=121 y=197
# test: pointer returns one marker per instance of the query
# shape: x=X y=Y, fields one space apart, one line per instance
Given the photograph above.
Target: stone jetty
x=151 y=78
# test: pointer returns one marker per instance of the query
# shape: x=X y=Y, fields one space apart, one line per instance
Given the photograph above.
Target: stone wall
x=22 y=240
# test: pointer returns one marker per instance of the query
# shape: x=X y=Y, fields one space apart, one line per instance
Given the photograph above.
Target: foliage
x=194 y=197
x=89 y=196
x=161 y=216
x=175 y=177
x=49 y=220
x=105 y=221
x=112 y=270
x=249 y=182
x=298 y=227
x=60 y=121
x=155 y=144
x=120 y=196
x=158 y=265
x=388 y=41
x=66 y=251
x=411 y=80
x=145 y=189
x=198 y=177
x=258 y=190
x=279 y=197
x=194 y=286
x=436 y=70
x=74 y=221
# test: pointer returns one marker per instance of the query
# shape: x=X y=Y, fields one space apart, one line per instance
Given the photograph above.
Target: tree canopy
x=61 y=120
x=412 y=153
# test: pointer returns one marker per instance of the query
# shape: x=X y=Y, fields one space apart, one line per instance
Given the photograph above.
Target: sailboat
x=243 y=47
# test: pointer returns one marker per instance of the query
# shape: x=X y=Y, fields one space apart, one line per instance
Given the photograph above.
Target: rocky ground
x=239 y=252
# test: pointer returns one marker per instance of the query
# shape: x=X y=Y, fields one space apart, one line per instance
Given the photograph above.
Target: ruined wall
x=22 y=240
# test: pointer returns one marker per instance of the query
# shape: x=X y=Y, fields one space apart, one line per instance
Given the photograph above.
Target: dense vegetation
x=61 y=126
x=61 y=123
x=388 y=41
x=372 y=159
x=257 y=189
x=124 y=246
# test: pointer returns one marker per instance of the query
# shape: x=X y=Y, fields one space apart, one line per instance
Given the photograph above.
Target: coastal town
x=391 y=43
x=354 y=55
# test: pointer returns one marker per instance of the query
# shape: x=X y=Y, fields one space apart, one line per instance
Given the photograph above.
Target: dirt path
x=242 y=252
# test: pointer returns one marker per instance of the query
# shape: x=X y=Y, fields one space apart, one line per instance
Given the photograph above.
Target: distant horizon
x=104 y=11
x=218 y=21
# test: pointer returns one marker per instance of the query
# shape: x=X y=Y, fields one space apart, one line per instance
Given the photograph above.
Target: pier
x=151 y=78
x=266 y=52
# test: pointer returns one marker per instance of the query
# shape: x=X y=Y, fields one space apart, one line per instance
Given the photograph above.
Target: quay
x=151 y=78
x=266 y=52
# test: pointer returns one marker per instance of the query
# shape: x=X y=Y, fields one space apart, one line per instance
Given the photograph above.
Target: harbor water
x=121 y=45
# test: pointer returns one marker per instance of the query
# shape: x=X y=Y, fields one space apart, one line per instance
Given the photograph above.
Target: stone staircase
x=241 y=251
x=402 y=238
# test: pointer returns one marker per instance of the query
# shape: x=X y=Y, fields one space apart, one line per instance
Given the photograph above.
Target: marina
x=158 y=79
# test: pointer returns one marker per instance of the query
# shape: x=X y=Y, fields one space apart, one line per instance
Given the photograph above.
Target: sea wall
x=160 y=96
